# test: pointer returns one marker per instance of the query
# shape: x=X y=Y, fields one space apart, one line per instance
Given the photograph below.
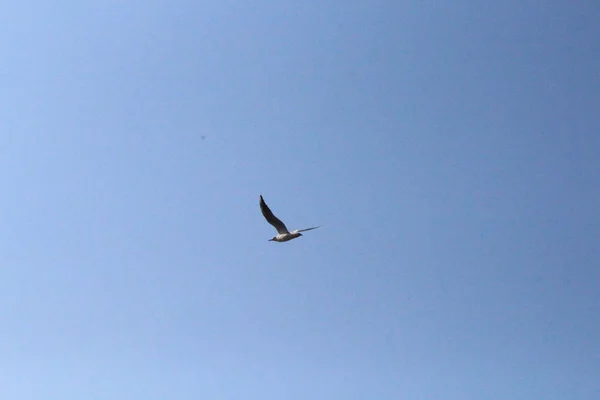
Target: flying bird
x=283 y=235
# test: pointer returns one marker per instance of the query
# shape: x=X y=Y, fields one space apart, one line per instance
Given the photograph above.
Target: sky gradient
x=450 y=151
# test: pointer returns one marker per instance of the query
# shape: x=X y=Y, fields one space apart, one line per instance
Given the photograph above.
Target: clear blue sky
x=451 y=151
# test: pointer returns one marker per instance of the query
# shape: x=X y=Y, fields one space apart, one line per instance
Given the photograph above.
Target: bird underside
x=284 y=237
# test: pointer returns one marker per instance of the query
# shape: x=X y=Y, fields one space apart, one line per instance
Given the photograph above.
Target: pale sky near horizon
x=450 y=151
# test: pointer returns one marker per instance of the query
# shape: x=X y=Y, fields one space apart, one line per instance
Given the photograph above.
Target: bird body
x=283 y=235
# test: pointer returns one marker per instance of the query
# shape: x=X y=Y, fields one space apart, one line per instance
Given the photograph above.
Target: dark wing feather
x=308 y=229
x=272 y=219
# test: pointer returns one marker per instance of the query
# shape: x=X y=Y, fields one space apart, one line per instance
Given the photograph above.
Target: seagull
x=283 y=235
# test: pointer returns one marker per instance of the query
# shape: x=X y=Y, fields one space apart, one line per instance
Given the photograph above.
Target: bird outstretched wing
x=307 y=229
x=272 y=219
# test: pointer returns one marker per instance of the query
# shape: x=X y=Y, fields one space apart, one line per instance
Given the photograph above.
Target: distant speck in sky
x=202 y=137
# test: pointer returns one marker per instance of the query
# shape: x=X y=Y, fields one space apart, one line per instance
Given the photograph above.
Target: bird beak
x=270 y=240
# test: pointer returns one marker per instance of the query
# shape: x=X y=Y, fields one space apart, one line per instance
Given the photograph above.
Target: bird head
x=273 y=239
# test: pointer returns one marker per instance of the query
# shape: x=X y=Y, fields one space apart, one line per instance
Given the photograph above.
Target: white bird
x=283 y=235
